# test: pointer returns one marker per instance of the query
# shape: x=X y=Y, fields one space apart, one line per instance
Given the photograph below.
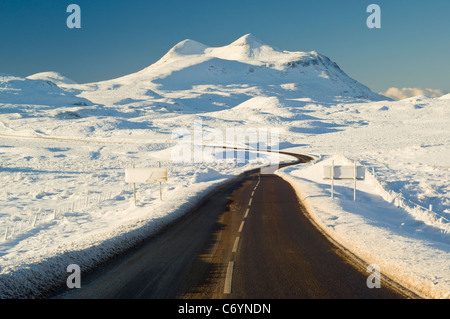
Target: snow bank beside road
x=38 y=270
x=376 y=230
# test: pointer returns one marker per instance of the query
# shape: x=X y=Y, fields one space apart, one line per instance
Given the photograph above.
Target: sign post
x=348 y=172
x=354 y=179
x=332 y=179
x=160 y=191
x=134 y=191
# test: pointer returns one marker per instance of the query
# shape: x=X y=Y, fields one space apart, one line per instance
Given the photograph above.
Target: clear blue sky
x=118 y=37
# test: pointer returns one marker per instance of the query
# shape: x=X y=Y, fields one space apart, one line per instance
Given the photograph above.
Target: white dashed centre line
x=229 y=275
x=236 y=242
x=242 y=226
x=228 y=278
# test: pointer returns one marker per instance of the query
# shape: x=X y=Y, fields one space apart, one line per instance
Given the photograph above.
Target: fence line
x=41 y=216
x=401 y=201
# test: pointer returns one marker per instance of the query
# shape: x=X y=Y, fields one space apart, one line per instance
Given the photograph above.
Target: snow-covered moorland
x=65 y=146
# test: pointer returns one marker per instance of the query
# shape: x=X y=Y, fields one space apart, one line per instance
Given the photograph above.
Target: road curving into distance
x=250 y=238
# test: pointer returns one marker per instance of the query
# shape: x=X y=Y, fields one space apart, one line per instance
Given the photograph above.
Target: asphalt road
x=250 y=238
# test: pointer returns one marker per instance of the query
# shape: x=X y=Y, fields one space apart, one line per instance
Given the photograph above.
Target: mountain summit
x=182 y=49
x=245 y=49
x=248 y=40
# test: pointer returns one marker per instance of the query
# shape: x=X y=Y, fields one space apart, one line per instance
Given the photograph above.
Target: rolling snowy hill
x=54 y=77
x=16 y=90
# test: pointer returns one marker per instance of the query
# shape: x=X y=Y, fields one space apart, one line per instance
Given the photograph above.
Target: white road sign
x=344 y=172
x=145 y=175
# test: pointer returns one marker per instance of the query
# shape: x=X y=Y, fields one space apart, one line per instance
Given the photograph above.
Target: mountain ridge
x=248 y=59
x=248 y=62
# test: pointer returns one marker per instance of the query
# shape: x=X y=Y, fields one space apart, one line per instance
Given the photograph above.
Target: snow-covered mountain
x=248 y=66
x=250 y=61
x=193 y=77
